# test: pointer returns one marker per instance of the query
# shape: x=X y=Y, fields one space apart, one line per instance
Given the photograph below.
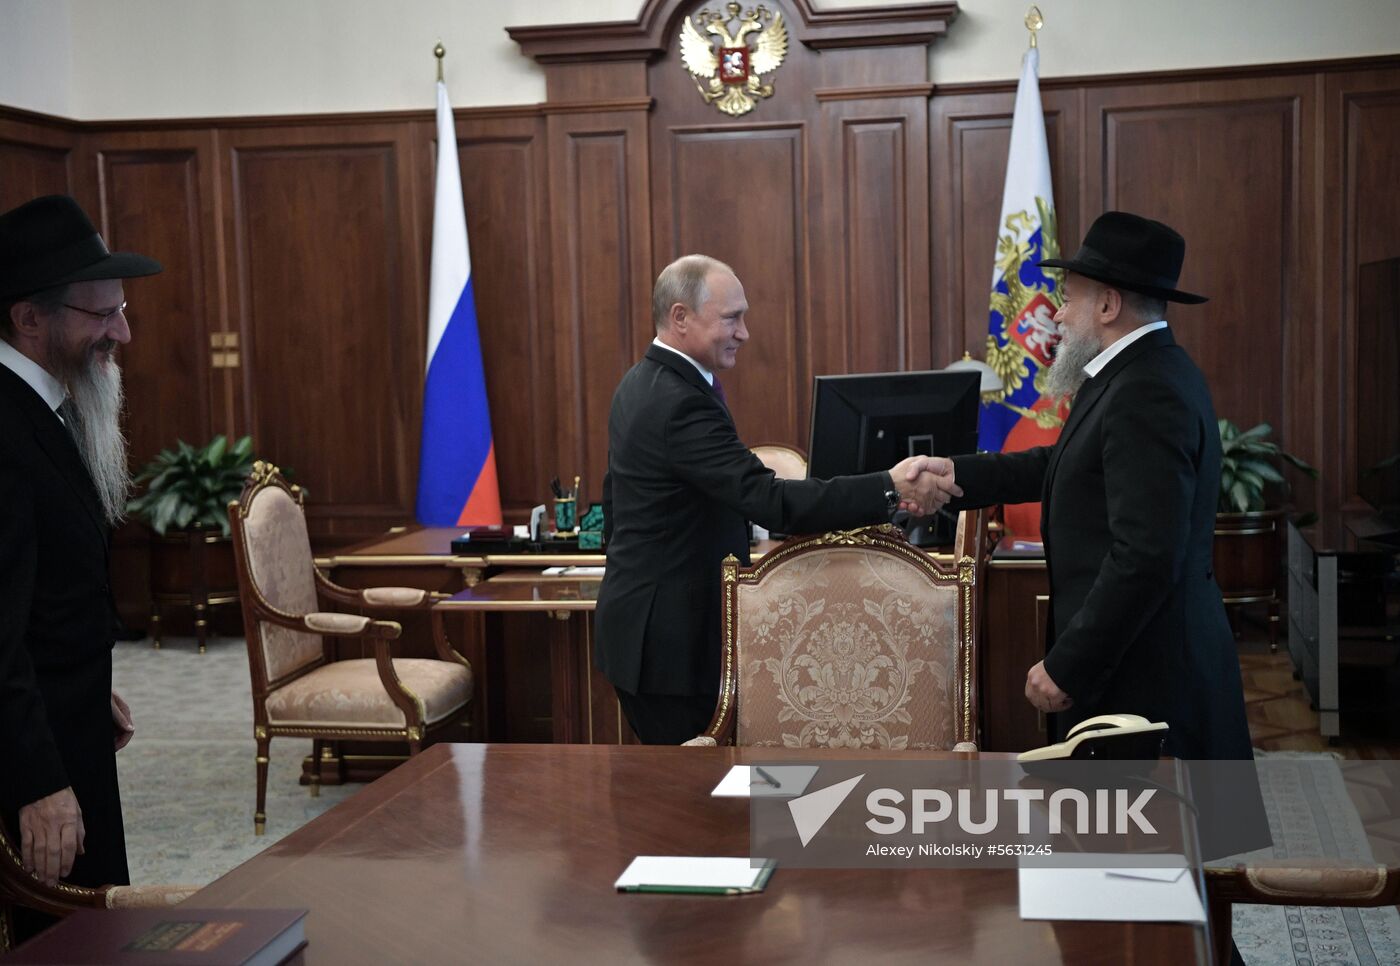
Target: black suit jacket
x=56 y=623
x=679 y=488
x=1128 y=498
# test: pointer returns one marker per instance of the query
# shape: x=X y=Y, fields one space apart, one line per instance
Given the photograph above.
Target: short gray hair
x=683 y=281
x=1147 y=308
x=48 y=300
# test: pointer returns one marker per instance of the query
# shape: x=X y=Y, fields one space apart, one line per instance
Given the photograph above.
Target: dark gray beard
x=95 y=396
x=1067 y=371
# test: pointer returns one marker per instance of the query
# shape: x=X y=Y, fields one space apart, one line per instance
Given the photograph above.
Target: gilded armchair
x=852 y=639
x=21 y=888
x=299 y=690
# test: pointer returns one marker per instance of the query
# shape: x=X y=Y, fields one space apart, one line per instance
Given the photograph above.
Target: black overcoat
x=56 y=624
x=1128 y=497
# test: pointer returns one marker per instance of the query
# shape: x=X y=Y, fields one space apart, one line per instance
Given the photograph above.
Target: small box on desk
x=489 y=540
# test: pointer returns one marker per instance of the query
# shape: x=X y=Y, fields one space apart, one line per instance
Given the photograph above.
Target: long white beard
x=96 y=404
x=1072 y=354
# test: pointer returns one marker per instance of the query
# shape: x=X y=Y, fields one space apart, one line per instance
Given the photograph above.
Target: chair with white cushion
x=299 y=688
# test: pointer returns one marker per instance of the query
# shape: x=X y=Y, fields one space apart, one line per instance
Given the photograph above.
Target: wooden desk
x=583 y=706
x=508 y=853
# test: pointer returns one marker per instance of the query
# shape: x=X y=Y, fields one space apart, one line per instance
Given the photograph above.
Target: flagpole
x=440 y=52
x=1034 y=21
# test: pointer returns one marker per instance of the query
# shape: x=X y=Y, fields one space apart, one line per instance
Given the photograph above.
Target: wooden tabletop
x=508 y=853
x=537 y=594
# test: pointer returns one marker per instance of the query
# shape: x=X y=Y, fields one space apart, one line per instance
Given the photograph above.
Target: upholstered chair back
x=785 y=462
x=852 y=640
x=279 y=564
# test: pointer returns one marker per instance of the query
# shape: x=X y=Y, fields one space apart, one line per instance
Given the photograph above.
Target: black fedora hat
x=1131 y=252
x=50 y=241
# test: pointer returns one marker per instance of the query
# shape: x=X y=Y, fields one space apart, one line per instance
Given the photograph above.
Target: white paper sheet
x=689 y=871
x=743 y=782
x=573 y=571
x=1085 y=894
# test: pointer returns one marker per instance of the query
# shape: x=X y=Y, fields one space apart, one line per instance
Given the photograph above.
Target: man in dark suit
x=679 y=488
x=63 y=484
x=1128 y=496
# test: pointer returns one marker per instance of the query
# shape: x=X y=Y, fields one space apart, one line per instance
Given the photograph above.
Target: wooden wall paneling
x=601 y=268
x=738 y=192
x=37 y=157
x=156 y=196
x=1225 y=163
x=325 y=261
x=970 y=140
x=873 y=210
x=1361 y=136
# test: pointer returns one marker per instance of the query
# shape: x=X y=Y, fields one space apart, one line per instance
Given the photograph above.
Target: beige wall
x=99 y=59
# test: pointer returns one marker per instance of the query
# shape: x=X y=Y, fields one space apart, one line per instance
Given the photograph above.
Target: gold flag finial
x=1034 y=21
x=440 y=52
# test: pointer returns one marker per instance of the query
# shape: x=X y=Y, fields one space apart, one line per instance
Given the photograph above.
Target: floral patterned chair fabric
x=851 y=640
x=298 y=688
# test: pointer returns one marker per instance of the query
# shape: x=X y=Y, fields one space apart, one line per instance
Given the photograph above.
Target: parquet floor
x=1280 y=718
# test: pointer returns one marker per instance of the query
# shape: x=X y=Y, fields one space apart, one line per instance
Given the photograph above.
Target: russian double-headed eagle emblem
x=727 y=75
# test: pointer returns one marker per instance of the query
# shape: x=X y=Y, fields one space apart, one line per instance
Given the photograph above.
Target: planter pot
x=191 y=568
x=1249 y=561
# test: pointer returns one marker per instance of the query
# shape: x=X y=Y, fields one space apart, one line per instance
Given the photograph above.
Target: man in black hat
x=1128 y=496
x=63 y=484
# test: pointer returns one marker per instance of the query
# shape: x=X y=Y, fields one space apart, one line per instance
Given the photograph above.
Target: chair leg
x=155 y=625
x=201 y=624
x=1221 y=927
x=315 y=778
x=1273 y=625
x=260 y=816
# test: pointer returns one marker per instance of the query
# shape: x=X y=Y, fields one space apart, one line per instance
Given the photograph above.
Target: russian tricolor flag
x=457 y=462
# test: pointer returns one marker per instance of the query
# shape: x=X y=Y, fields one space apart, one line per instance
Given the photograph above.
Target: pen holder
x=566 y=515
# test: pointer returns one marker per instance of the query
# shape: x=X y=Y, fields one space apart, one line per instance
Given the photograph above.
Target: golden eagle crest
x=727 y=76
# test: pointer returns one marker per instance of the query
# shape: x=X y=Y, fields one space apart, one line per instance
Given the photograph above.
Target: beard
x=94 y=408
x=1072 y=354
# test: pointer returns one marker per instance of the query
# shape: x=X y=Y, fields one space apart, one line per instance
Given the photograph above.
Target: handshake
x=924 y=484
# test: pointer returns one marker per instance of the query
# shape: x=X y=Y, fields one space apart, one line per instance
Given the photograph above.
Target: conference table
x=508 y=854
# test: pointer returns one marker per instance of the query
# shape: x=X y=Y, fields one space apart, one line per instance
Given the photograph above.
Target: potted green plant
x=188 y=489
x=1249 y=533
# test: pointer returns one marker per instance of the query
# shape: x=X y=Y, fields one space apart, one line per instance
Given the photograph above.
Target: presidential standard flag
x=457 y=461
x=1022 y=331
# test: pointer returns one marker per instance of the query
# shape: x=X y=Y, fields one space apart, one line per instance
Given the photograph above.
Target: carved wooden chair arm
x=415 y=711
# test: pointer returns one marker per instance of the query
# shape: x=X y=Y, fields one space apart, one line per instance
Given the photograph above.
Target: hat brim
x=115 y=265
x=1108 y=278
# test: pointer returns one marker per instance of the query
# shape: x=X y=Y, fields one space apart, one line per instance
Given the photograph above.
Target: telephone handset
x=1106 y=737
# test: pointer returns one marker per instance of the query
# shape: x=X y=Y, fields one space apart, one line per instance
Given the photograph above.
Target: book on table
x=212 y=937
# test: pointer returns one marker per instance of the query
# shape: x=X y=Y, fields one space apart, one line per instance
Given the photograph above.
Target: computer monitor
x=868 y=422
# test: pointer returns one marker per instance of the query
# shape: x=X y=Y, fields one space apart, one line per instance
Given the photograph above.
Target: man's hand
x=51 y=835
x=121 y=721
x=1044 y=693
x=925 y=484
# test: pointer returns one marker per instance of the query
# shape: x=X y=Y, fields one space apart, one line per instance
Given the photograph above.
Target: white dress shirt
x=39 y=379
x=1095 y=365
x=709 y=376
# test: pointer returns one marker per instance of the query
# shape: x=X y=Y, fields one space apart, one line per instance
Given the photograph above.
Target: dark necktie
x=718 y=387
x=69 y=415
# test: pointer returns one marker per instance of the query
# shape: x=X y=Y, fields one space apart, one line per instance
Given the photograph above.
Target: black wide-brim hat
x=50 y=241
x=1131 y=252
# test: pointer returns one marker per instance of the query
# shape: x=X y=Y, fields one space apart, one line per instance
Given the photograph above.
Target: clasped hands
x=925 y=484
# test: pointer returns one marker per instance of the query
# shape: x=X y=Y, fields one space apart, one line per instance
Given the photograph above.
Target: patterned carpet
x=187 y=778
x=188 y=789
